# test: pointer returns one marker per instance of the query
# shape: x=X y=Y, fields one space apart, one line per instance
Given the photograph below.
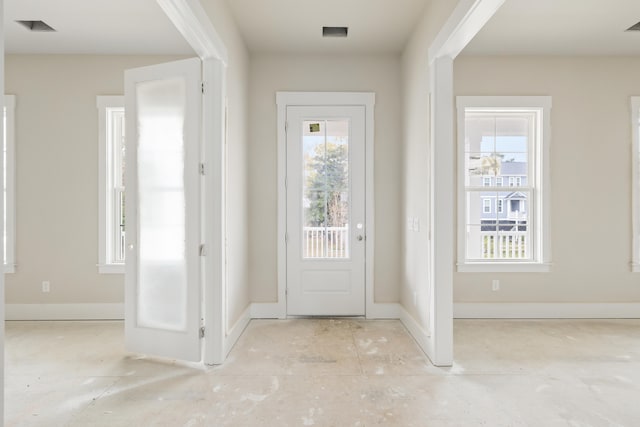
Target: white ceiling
x=560 y=27
x=295 y=26
x=92 y=26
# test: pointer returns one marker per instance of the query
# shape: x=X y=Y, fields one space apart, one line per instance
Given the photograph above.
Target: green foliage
x=327 y=185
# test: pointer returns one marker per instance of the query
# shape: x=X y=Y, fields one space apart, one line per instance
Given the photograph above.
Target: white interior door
x=326 y=210
x=162 y=281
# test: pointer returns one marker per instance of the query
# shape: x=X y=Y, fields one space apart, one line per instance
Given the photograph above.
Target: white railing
x=325 y=242
x=505 y=245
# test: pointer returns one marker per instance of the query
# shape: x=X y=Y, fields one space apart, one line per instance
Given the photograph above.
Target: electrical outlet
x=46 y=286
x=416 y=224
x=409 y=223
x=495 y=285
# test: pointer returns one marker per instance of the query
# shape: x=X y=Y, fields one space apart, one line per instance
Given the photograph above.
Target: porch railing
x=505 y=245
x=325 y=242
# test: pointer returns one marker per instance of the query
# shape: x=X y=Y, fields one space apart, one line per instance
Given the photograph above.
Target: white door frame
x=366 y=99
x=193 y=23
x=465 y=22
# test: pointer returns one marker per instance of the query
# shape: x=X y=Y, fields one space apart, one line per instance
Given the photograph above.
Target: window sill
x=504 y=267
x=9 y=268
x=111 y=269
x=635 y=267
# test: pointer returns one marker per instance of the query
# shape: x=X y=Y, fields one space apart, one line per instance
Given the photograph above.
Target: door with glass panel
x=325 y=210
x=162 y=280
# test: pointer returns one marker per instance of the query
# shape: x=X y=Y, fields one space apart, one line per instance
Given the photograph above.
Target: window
x=503 y=138
x=111 y=183
x=486 y=181
x=486 y=205
x=635 y=128
x=8 y=148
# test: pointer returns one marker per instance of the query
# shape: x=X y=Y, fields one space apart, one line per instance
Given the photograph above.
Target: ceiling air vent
x=335 y=31
x=39 y=26
x=635 y=27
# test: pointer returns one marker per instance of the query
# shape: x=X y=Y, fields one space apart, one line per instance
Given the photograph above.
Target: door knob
x=359 y=237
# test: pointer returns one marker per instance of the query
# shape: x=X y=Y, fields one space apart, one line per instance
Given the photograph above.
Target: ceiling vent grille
x=335 y=31
x=36 y=26
x=635 y=27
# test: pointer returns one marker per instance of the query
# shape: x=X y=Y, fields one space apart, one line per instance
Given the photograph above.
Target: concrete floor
x=325 y=372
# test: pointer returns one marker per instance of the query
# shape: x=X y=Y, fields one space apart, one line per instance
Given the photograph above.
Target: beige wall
x=415 y=287
x=237 y=143
x=590 y=175
x=272 y=73
x=56 y=175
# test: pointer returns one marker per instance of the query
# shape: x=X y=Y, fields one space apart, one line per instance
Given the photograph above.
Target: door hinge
x=286 y=182
x=202 y=87
x=201 y=331
x=202 y=169
x=286 y=291
x=286 y=237
x=203 y=250
x=286 y=127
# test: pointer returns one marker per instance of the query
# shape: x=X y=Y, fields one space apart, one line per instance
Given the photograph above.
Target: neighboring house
x=508 y=209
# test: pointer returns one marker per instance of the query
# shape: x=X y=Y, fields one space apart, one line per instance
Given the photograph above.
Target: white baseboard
x=113 y=311
x=268 y=310
x=421 y=335
x=546 y=310
x=236 y=330
x=383 y=311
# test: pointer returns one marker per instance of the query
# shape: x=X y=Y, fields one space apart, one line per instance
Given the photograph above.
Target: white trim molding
x=635 y=192
x=10 y=220
x=191 y=20
x=420 y=334
x=89 y=311
x=547 y=310
x=232 y=336
x=465 y=22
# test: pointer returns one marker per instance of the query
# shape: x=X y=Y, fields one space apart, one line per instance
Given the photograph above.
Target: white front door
x=162 y=281
x=325 y=210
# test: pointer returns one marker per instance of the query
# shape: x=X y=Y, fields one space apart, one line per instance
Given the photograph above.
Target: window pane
x=161 y=198
x=479 y=167
x=325 y=198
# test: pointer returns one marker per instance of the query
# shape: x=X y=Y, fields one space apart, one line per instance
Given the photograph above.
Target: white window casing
x=486 y=205
x=635 y=132
x=110 y=185
x=9 y=184
x=516 y=241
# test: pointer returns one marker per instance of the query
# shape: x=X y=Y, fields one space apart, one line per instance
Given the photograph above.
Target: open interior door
x=163 y=105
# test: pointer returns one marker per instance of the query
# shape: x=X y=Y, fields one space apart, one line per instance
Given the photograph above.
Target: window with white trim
x=486 y=181
x=9 y=193
x=486 y=205
x=111 y=140
x=503 y=137
x=635 y=132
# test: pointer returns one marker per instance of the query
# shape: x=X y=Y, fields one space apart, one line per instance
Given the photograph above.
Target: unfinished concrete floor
x=322 y=372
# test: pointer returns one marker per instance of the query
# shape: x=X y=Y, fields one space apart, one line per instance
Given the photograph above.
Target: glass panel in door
x=325 y=189
x=162 y=272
